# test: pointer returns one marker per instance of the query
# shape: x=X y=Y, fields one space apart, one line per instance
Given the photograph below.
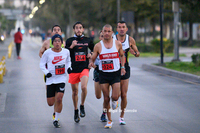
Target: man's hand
x=123 y=71
x=91 y=65
x=74 y=43
x=69 y=70
x=137 y=54
x=48 y=75
x=89 y=55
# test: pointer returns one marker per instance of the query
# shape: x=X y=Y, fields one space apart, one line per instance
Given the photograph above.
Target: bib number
x=80 y=56
x=107 y=65
x=59 y=69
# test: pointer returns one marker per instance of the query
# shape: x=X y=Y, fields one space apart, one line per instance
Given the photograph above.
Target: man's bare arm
x=44 y=47
x=133 y=48
x=94 y=54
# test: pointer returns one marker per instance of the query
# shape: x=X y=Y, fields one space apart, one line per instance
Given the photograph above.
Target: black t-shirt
x=79 y=53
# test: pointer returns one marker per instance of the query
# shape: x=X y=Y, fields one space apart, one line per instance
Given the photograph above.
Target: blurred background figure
x=18 y=40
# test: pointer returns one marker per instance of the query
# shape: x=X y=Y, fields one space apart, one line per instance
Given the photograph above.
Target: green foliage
x=196 y=59
x=167 y=45
x=187 y=67
x=144 y=48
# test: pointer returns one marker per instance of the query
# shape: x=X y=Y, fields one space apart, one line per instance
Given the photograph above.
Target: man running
x=128 y=44
x=110 y=73
x=96 y=82
x=56 y=29
x=58 y=61
x=78 y=47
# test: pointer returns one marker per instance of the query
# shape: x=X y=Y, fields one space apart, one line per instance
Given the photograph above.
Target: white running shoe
x=121 y=121
x=114 y=105
x=108 y=125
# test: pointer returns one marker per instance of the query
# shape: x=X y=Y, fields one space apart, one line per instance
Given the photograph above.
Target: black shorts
x=109 y=77
x=127 y=75
x=53 y=88
x=96 y=75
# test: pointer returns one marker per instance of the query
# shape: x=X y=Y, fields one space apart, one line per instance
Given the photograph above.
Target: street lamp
x=161 y=32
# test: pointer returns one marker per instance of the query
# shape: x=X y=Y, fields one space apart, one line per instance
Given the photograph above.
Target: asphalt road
x=156 y=103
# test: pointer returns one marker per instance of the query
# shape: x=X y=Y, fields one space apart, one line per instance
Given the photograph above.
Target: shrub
x=196 y=59
x=167 y=45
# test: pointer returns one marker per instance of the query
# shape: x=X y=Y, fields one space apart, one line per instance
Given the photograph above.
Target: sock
x=56 y=116
x=104 y=112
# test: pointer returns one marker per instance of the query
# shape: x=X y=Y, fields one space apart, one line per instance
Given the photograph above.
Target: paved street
x=156 y=103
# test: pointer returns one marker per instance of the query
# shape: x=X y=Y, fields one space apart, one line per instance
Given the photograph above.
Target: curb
x=177 y=74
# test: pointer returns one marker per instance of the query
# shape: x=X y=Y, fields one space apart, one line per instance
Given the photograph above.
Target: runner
x=109 y=50
x=56 y=29
x=78 y=47
x=96 y=82
x=128 y=44
x=58 y=61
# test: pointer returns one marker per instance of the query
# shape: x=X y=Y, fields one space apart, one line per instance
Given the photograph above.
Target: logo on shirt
x=57 y=59
x=62 y=89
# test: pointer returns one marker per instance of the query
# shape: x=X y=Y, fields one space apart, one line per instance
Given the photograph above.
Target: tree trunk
x=190 y=40
x=154 y=28
x=171 y=24
x=136 y=29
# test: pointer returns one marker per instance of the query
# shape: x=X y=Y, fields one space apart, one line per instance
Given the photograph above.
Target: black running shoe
x=56 y=124
x=82 y=111
x=76 y=116
x=103 y=118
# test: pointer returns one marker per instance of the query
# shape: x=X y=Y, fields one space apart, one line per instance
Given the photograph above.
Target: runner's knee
x=84 y=88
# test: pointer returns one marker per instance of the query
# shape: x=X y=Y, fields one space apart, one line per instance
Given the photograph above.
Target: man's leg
x=17 y=48
x=105 y=89
x=58 y=102
x=124 y=89
x=97 y=90
x=84 y=81
x=75 y=94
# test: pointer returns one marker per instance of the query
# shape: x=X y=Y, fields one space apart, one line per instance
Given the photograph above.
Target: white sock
x=56 y=116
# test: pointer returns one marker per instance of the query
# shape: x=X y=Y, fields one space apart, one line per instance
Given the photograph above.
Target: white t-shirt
x=57 y=65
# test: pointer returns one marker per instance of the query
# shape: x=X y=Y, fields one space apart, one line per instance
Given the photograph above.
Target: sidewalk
x=188 y=51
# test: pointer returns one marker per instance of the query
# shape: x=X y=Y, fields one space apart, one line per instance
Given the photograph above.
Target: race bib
x=107 y=65
x=60 y=69
x=80 y=56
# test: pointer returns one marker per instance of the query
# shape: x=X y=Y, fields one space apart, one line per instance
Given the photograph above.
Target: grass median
x=157 y=55
x=187 y=67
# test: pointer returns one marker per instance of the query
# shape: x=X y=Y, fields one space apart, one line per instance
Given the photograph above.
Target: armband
x=122 y=67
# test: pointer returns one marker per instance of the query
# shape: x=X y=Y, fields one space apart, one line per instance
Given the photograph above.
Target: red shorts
x=75 y=77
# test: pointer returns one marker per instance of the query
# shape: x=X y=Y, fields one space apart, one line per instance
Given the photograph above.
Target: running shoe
x=82 y=111
x=76 y=116
x=121 y=121
x=54 y=115
x=103 y=118
x=115 y=104
x=19 y=58
x=108 y=125
x=56 y=124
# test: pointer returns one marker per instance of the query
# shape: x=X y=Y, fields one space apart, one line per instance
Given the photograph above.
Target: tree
x=191 y=14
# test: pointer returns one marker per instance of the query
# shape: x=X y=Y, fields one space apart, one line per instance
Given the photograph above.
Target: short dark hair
x=78 y=22
x=56 y=26
x=18 y=29
x=121 y=22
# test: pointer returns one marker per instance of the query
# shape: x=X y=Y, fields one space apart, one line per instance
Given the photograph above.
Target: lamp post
x=161 y=32
x=118 y=10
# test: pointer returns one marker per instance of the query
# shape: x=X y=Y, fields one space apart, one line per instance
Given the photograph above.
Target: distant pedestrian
x=18 y=40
